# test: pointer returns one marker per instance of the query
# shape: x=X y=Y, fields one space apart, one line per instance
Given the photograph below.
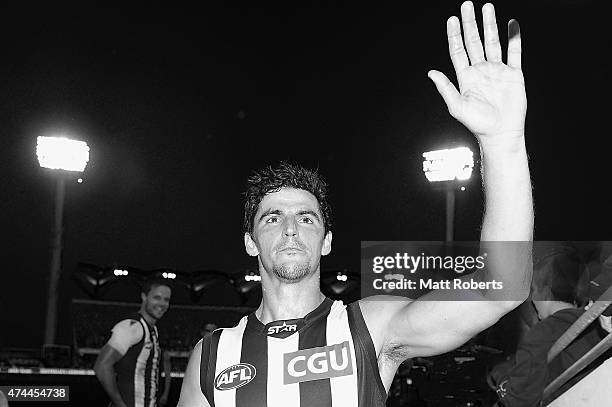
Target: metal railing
x=586 y=319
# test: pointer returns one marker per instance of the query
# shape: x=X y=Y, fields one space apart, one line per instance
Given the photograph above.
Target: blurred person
x=208 y=329
x=301 y=348
x=128 y=364
x=559 y=297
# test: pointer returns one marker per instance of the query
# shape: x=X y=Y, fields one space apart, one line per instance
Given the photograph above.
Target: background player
x=128 y=364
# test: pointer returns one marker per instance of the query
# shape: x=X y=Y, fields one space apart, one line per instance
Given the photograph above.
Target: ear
x=250 y=246
x=143 y=297
x=327 y=240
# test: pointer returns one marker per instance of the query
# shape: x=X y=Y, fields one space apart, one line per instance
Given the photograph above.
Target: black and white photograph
x=320 y=204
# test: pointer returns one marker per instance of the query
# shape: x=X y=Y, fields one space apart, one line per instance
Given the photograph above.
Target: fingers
x=475 y=53
x=491 y=37
x=455 y=45
x=447 y=90
x=470 y=31
x=514 y=44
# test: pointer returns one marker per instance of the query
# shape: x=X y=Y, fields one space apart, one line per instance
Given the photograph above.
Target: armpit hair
x=395 y=352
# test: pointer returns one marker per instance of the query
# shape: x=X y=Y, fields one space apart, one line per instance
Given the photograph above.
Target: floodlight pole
x=450 y=211
x=55 y=268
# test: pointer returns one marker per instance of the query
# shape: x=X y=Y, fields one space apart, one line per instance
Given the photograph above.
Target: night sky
x=179 y=105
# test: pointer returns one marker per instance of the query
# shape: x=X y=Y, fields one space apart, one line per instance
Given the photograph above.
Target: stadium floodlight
x=61 y=153
x=448 y=164
x=120 y=272
x=247 y=281
x=169 y=275
x=200 y=281
x=94 y=279
x=63 y=156
x=252 y=277
x=449 y=167
x=339 y=284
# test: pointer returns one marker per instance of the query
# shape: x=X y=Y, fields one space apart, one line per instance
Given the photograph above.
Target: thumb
x=447 y=90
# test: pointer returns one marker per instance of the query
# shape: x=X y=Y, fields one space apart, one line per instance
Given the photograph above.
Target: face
x=289 y=234
x=157 y=301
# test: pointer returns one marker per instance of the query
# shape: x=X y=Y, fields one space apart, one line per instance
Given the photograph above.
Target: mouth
x=291 y=250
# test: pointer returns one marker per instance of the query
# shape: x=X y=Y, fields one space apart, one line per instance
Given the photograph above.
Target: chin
x=292 y=272
x=158 y=315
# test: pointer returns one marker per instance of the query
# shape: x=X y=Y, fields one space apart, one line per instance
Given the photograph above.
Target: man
x=558 y=296
x=300 y=348
x=128 y=364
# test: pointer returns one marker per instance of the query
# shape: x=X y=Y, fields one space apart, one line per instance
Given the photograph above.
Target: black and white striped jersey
x=326 y=358
x=138 y=370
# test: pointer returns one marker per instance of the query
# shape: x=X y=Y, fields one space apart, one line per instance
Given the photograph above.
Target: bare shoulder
x=128 y=325
x=191 y=395
x=197 y=350
x=378 y=312
x=126 y=333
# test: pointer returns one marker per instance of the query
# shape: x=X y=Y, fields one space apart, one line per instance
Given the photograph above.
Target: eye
x=272 y=219
x=306 y=219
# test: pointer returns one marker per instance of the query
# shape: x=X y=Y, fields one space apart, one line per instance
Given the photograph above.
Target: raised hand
x=491 y=100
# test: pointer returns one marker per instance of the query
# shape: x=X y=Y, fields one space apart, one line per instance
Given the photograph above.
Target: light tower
x=448 y=168
x=64 y=157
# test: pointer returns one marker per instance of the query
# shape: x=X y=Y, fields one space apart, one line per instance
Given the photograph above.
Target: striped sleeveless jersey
x=138 y=370
x=326 y=359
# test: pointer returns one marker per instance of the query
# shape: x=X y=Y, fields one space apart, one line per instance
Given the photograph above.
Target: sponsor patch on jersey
x=235 y=376
x=283 y=329
x=318 y=363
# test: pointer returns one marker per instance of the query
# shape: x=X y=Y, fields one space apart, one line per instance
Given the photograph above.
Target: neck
x=282 y=300
x=150 y=320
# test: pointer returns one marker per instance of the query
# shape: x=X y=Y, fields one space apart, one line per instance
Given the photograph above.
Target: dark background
x=178 y=105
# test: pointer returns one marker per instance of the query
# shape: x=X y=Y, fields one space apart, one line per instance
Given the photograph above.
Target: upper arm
x=428 y=326
x=191 y=395
x=125 y=334
x=107 y=357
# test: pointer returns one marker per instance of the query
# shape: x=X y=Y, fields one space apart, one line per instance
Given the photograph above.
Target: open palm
x=491 y=100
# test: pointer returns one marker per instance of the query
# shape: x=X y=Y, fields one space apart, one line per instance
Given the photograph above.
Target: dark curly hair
x=285 y=175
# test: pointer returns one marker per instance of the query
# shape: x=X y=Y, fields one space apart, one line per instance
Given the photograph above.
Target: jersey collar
x=286 y=327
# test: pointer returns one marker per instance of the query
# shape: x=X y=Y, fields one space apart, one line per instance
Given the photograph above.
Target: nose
x=290 y=227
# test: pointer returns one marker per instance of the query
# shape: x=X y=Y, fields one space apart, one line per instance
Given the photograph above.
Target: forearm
x=507 y=185
x=167 y=374
x=507 y=228
x=106 y=376
x=167 y=381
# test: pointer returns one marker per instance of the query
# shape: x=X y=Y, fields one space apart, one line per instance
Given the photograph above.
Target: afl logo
x=235 y=376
